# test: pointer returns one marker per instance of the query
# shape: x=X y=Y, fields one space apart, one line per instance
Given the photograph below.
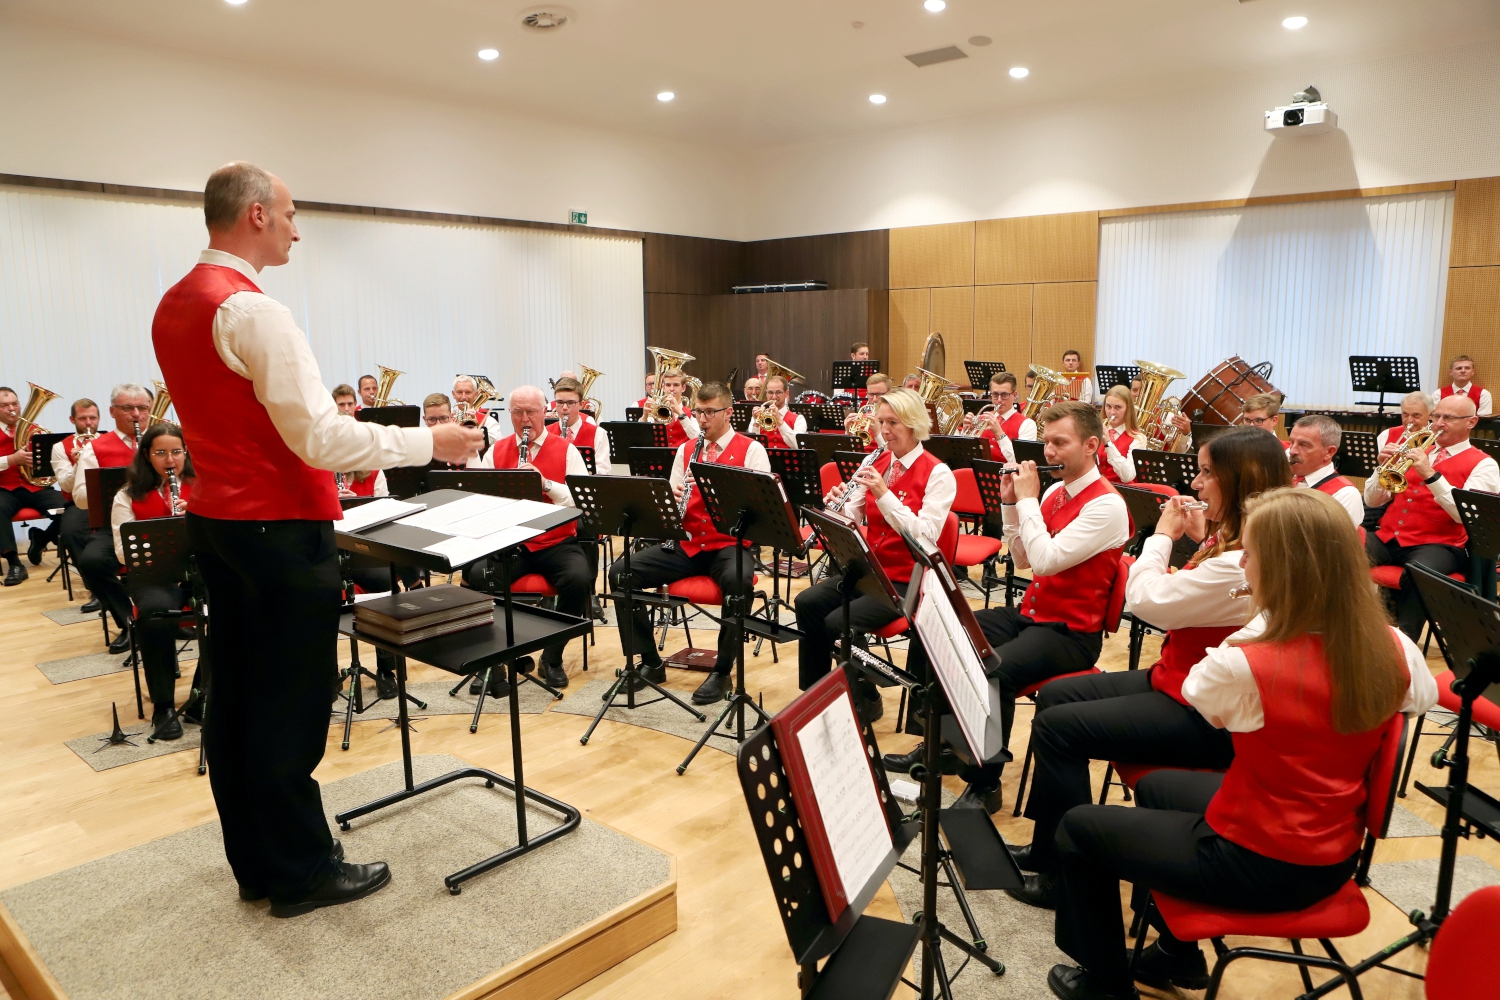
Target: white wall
x=81 y=107
x=1426 y=117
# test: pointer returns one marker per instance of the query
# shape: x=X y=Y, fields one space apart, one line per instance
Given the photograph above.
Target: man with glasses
x=876 y=386
x=1422 y=523
x=436 y=410
x=1005 y=423
x=16 y=493
x=650 y=388
x=574 y=427
x=706 y=552
x=789 y=425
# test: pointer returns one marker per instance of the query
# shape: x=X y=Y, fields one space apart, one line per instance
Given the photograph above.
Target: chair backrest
x=1460 y=958
x=829 y=476
x=948 y=539
x=968 y=500
x=1381 y=781
x=1116 y=606
x=102 y=485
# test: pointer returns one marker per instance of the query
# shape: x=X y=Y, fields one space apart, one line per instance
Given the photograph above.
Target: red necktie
x=713 y=451
x=1299 y=480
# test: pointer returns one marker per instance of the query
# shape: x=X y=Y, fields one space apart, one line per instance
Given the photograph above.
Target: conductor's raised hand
x=1027 y=483
x=456 y=444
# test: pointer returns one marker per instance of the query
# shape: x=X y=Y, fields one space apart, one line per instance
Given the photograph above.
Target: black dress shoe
x=991 y=801
x=554 y=675
x=713 y=689
x=166 y=724
x=902 y=763
x=348 y=883
x=385 y=683
x=120 y=643
x=499 y=686
x=250 y=894
x=1068 y=982
x=92 y=607
x=37 y=547
x=1161 y=971
x=15 y=575
x=525 y=664
x=1022 y=856
x=656 y=673
x=1039 y=891
x=870 y=710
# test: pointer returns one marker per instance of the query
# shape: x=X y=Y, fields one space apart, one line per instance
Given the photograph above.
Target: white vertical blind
x=80 y=276
x=1302 y=285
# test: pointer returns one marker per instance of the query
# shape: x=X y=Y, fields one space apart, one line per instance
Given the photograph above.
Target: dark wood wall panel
x=844 y=260
x=690 y=265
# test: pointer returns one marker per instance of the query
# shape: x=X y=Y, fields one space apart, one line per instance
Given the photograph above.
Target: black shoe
x=596 y=610
x=1039 y=891
x=385 y=683
x=348 y=883
x=120 y=643
x=1068 y=982
x=554 y=675
x=37 y=547
x=1022 y=857
x=991 y=801
x=656 y=673
x=194 y=714
x=250 y=894
x=92 y=607
x=166 y=724
x=16 y=574
x=870 y=710
x=499 y=686
x=713 y=689
x=902 y=763
x=476 y=685
x=1161 y=971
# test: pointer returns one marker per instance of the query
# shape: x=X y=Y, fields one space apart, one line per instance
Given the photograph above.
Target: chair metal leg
x=1411 y=755
x=1109 y=772
x=1021 y=788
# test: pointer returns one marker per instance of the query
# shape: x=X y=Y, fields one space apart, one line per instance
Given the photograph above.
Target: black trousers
x=820 y=618
x=655 y=567
x=1113 y=716
x=1165 y=844
x=273 y=593
x=1410 y=617
x=1031 y=651
x=101 y=573
x=157 y=640
x=74 y=530
x=13 y=501
x=563 y=566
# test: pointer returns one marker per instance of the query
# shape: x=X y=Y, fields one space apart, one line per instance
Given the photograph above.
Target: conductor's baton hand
x=455 y=443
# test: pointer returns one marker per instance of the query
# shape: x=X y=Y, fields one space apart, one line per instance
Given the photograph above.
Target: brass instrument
x=84 y=437
x=934 y=354
x=1071 y=389
x=1043 y=390
x=586 y=385
x=970 y=425
x=938 y=391
x=1161 y=433
x=468 y=413
x=160 y=404
x=862 y=427
x=658 y=410
x=764 y=418
x=388 y=378
x=690 y=387
x=774 y=369
x=26 y=426
x=1392 y=472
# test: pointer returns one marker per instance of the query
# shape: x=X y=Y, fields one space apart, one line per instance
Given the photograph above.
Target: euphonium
x=26 y=426
x=970 y=425
x=586 y=385
x=938 y=391
x=658 y=410
x=1392 y=472
x=468 y=413
x=388 y=378
x=1043 y=390
x=1161 y=433
x=782 y=371
x=160 y=404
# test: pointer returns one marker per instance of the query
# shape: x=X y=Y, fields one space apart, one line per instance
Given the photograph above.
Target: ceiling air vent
x=546 y=19
x=932 y=56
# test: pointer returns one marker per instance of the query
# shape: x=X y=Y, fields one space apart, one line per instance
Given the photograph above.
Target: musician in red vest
x=1416 y=410
x=1306 y=693
x=1122 y=436
x=789 y=426
x=1311 y=445
x=1422 y=524
x=1461 y=372
x=1005 y=423
x=1141 y=716
x=876 y=386
x=260 y=524
x=555 y=555
x=575 y=426
x=369 y=387
x=913 y=490
x=16 y=494
x=681 y=426
x=73 y=523
x=706 y=552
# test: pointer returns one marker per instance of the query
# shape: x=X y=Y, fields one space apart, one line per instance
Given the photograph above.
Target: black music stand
x=638 y=506
x=958 y=451
x=407 y=481
x=860 y=570
x=849 y=462
x=634 y=413
x=830 y=416
x=390 y=416
x=1176 y=469
x=653 y=462
x=1489 y=446
x=1358 y=454
x=588 y=458
x=980 y=373
x=41 y=466
x=1106 y=377
x=1376 y=373
x=1481 y=516
x=1145 y=510
x=627 y=434
x=740 y=418
x=853 y=375
x=1204 y=433
x=827 y=444
x=800 y=474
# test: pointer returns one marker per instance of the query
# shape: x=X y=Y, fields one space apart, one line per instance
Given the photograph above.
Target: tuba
x=1043 y=390
x=782 y=371
x=160 y=404
x=388 y=378
x=658 y=410
x=1161 y=434
x=938 y=391
x=26 y=426
x=586 y=383
x=1392 y=472
x=468 y=413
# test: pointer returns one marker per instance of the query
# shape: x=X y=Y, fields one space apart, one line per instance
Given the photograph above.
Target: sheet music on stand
x=1106 y=377
x=957 y=649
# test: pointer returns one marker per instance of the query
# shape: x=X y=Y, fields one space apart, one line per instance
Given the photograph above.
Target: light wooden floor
x=59 y=813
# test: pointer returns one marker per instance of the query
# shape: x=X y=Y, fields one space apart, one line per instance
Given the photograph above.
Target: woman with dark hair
x=148 y=494
x=1140 y=716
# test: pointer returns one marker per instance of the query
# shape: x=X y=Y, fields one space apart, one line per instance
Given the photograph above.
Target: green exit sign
x=578 y=218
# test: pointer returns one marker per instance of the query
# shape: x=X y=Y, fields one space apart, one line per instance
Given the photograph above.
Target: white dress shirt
x=1486 y=477
x=601 y=444
x=1482 y=402
x=937 y=501
x=1027 y=430
x=258 y=339
x=557 y=492
x=755 y=458
x=1223 y=690
x=62 y=467
x=1195 y=598
x=790 y=434
x=88 y=460
x=1085 y=388
x=1348 y=497
x=1124 y=465
x=1103 y=523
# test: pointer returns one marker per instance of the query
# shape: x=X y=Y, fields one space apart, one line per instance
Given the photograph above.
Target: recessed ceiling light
x=1020 y=72
x=935 y=5
x=665 y=95
x=877 y=98
x=234 y=3
x=489 y=55
x=1293 y=23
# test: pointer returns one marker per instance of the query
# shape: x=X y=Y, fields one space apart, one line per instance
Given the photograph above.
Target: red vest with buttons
x=885 y=541
x=551 y=460
x=361 y=488
x=702 y=537
x=1472 y=390
x=1012 y=424
x=675 y=434
x=154 y=504
x=1077 y=597
x=583 y=435
x=777 y=440
x=1120 y=443
x=1414 y=517
x=250 y=475
x=1296 y=790
x=114 y=453
x=10 y=478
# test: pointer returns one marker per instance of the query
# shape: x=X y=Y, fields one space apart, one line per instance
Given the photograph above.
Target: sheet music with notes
x=847 y=798
x=957 y=663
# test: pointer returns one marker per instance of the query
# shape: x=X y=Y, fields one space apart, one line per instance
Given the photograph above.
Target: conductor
x=260 y=523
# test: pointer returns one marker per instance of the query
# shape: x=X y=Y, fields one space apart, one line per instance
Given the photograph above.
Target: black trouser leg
x=101 y=573
x=652 y=567
x=820 y=616
x=720 y=566
x=1110 y=716
x=1032 y=651
x=157 y=640
x=1407 y=606
x=1171 y=851
x=13 y=501
x=566 y=570
x=273 y=587
x=73 y=530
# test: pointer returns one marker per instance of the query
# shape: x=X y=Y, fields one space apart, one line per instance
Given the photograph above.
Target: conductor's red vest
x=885 y=541
x=1078 y=596
x=551 y=460
x=1414 y=517
x=702 y=537
x=251 y=474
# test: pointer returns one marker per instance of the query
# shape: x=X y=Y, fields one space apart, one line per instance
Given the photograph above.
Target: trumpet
x=26 y=426
x=862 y=426
x=836 y=506
x=388 y=378
x=1392 y=472
x=468 y=413
x=764 y=418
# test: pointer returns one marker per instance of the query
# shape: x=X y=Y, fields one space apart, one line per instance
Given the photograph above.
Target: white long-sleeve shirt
x=790 y=435
x=1484 y=406
x=1195 y=598
x=1124 y=465
x=88 y=460
x=557 y=492
x=62 y=467
x=1486 y=477
x=1103 y=523
x=601 y=444
x=937 y=501
x=258 y=339
x=1348 y=497
x=755 y=457
x=1223 y=690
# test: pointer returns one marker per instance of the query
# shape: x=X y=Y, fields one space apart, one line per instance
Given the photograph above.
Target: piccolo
x=1190 y=505
x=1012 y=470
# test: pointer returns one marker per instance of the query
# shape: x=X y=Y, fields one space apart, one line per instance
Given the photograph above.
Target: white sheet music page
x=443 y=517
x=952 y=654
x=375 y=512
x=848 y=799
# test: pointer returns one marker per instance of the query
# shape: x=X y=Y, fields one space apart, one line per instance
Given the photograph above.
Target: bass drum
x=1220 y=396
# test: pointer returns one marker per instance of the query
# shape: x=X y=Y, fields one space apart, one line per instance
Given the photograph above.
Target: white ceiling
x=774 y=71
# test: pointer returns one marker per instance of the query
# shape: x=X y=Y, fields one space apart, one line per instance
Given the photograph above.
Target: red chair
x=973 y=549
x=1460 y=958
x=1341 y=915
x=701 y=590
x=534 y=588
x=1486 y=713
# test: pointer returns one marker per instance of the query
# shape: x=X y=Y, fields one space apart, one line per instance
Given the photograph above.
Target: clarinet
x=687 y=487
x=175 y=489
x=837 y=506
x=525 y=446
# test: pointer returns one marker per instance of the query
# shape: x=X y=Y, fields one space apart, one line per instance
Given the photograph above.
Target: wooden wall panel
x=690 y=265
x=1471 y=322
x=952 y=315
x=910 y=313
x=844 y=260
x=932 y=256
x=1037 y=248
x=1002 y=325
x=1476 y=224
x=1063 y=318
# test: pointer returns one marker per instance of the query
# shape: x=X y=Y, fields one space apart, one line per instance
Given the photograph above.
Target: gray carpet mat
x=663 y=716
x=98 y=754
x=71 y=615
x=1405 y=823
x=163 y=920
x=1412 y=885
x=77 y=668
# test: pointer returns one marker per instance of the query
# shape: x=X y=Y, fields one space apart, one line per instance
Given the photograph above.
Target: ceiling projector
x=1307 y=114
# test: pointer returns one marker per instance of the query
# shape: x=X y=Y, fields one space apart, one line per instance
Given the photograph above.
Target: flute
x=1190 y=505
x=1012 y=470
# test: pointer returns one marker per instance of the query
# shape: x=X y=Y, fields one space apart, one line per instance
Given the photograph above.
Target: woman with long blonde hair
x=1308 y=691
x=1122 y=436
